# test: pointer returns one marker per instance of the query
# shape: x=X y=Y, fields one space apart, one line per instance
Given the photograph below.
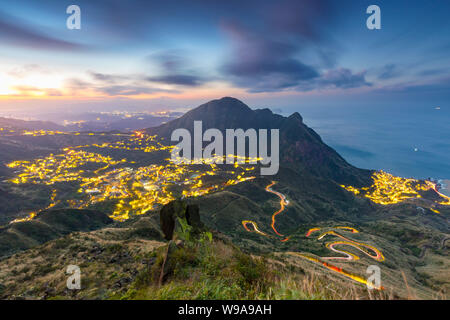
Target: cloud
x=169 y=60
x=108 y=78
x=287 y=49
x=432 y=86
x=23 y=71
x=178 y=79
x=175 y=69
x=30 y=90
x=113 y=85
x=300 y=19
x=389 y=71
x=127 y=90
x=343 y=78
x=263 y=64
x=433 y=72
x=19 y=34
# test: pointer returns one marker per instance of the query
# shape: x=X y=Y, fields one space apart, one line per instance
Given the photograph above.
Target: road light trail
x=337 y=269
x=312 y=230
x=283 y=203
x=255 y=227
x=358 y=245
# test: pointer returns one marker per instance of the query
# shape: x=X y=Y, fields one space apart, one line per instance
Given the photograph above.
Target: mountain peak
x=296 y=116
x=229 y=100
x=301 y=148
x=225 y=103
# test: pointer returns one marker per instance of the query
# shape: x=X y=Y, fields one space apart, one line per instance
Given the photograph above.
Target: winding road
x=358 y=245
x=255 y=227
x=283 y=203
x=368 y=250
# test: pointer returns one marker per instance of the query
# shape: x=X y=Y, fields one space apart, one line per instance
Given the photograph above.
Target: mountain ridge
x=301 y=148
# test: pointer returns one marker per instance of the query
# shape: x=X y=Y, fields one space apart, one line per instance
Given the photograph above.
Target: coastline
x=445 y=189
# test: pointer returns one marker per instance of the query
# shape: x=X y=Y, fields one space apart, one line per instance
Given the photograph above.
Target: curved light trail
x=337 y=269
x=368 y=250
x=255 y=227
x=348 y=256
x=352 y=230
x=283 y=203
x=358 y=245
x=311 y=231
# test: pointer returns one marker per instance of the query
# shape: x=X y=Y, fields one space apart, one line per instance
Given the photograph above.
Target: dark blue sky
x=175 y=53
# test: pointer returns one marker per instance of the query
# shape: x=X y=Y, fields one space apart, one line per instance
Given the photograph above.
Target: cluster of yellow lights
x=39 y=133
x=135 y=190
x=139 y=143
x=34 y=133
x=58 y=168
x=216 y=159
x=389 y=189
x=6 y=131
x=33 y=214
x=432 y=186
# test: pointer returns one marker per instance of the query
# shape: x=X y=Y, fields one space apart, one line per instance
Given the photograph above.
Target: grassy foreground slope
x=48 y=225
x=124 y=263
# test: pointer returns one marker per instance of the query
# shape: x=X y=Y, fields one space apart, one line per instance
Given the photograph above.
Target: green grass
x=216 y=270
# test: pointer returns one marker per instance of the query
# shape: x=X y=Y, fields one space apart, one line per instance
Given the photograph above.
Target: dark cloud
x=19 y=34
x=389 y=71
x=270 y=56
x=342 y=78
x=178 y=79
x=109 y=78
x=126 y=90
x=300 y=19
x=263 y=64
x=110 y=85
x=435 y=86
x=432 y=72
x=175 y=69
x=171 y=61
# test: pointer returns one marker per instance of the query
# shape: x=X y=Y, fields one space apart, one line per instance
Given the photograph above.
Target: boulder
x=168 y=216
x=178 y=209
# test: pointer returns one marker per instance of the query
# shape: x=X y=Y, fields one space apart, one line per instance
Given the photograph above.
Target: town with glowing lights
x=135 y=189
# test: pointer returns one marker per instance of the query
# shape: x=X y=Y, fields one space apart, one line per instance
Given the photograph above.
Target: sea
x=409 y=142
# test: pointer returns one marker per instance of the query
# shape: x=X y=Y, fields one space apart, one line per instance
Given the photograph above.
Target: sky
x=135 y=55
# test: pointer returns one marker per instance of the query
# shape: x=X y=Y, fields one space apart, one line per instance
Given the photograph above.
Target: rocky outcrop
x=175 y=210
x=179 y=222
